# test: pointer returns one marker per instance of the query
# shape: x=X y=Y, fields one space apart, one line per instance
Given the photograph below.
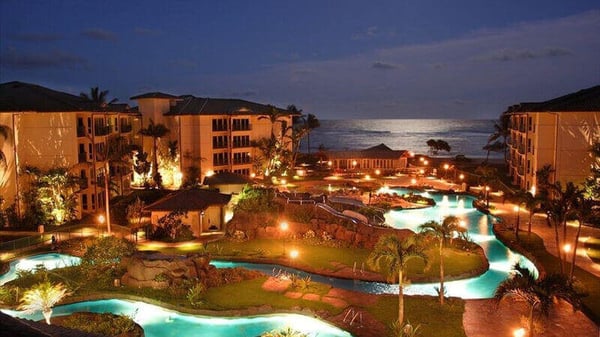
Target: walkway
x=482 y=318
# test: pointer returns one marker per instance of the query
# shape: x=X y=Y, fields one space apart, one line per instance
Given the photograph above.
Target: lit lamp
x=283 y=227
x=446 y=167
x=520 y=332
x=294 y=254
x=354 y=164
x=101 y=220
x=487 y=196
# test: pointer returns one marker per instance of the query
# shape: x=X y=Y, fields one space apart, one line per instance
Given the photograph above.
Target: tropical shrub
x=256 y=200
x=171 y=228
x=107 y=251
x=106 y=324
x=195 y=294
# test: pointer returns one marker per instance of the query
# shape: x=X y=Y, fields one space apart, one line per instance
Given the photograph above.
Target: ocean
x=466 y=137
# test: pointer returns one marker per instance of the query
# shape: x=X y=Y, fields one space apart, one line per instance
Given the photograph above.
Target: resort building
x=375 y=159
x=216 y=135
x=205 y=211
x=559 y=133
x=46 y=129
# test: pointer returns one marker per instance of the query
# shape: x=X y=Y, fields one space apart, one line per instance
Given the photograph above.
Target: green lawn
x=329 y=258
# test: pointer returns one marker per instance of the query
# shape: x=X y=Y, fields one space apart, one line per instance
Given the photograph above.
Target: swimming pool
x=48 y=260
x=161 y=322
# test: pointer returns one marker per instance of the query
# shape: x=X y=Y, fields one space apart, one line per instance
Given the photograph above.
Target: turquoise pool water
x=48 y=260
x=160 y=322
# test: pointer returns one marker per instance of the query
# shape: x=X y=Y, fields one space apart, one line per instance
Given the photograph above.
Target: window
x=241 y=141
x=219 y=124
x=219 y=142
x=245 y=172
x=84 y=201
x=241 y=124
x=530 y=123
x=220 y=159
x=241 y=158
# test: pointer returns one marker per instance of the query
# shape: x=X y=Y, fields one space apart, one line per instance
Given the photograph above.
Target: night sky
x=467 y=59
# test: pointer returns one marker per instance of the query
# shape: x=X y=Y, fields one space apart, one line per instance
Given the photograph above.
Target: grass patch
x=435 y=320
x=456 y=262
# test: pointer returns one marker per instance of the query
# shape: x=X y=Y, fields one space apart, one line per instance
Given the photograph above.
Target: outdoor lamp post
x=101 y=220
x=446 y=167
x=487 y=196
x=283 y=227
x=517 y=209
x=294 y=255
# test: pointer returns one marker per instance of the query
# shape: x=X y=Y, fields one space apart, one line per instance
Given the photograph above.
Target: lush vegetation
x=106 y=324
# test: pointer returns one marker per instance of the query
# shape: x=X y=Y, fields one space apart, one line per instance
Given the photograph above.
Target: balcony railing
x=241 y=161
x=102 y=130
x=126 y=128
x=241 y=128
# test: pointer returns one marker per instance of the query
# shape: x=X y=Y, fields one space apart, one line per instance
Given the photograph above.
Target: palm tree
x=583 y=210
x=275 y=115
x=501 y=130
x=391 y=255
x=538 y=294
x=487 y=175
x=42 y=297
x=97 y=97
x=310 y=123
x=442 y=232
x=155 y=131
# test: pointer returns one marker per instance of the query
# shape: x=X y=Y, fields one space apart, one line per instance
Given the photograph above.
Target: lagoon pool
x=48 y=260
x=161 y=322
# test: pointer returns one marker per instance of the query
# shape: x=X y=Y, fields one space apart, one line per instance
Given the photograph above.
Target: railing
x=126 y=128
x=35 y=240
x=242 y=161
x=102 y=130
x=241 y=128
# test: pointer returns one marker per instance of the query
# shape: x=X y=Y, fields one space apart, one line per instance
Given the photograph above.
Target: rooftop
x=580 y=101
x=20 y=96
x=379 y=151
x=192 y=199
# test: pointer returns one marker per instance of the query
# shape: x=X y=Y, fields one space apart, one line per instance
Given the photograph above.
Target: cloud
x=99 y=34
x=506 y=55
x=47 y=59
x=36 y=37
x=369 y=33
x=383 y=66
x=147 y=31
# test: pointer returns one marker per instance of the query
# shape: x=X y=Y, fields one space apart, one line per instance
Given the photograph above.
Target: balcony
x=241 y=161
x=220 y=163
x=102 y=130
x=241 y=128
x=126 y=128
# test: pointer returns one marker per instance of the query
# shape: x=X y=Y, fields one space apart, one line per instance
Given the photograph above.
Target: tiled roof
x=227 y=178
x=191 y=105
x=192 y=199
x=19 y=96
x=580 y=101
x=154 y=95
x=380 y=151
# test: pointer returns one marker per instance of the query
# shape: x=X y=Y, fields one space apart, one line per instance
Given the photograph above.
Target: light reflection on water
x=161 y=322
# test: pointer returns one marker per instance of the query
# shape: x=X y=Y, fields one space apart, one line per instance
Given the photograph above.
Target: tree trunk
x=575 y=250
x=442 y=290
x=558 y=251
x=529 y=225
x=530 y=322
x=47 y=314
x=400 y=299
